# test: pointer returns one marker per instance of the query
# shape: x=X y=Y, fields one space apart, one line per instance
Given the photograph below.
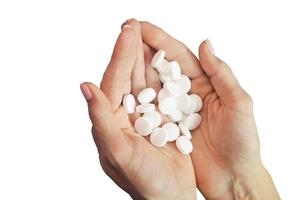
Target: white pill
x=143 y=126
x=172 y=131
x=184 y=145
x=145 y=108
x=162 y=94
x=193 y=121
x=183 y=117
x=158 y=137
x=171 y=88
x=184 y=83
x=155 y=117
x=183 y=101
x=129 y=103
x=163 y=69
x=147 y=95
x=168 y=105
x=163 y=78
x=184 y=130
x=175 y=116
x=174 y=70
x=198 y=101
x=192 y=107
x=158 y=58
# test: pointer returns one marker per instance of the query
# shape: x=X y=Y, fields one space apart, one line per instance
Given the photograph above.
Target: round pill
x=155 y=117
x=171 y=88
x=175 y=116
x=168 y=105
x=147 y=95
x=184 y=130
x=192 y=107
x=184 y=83
x=162 y=94
x=129 y=103
x=158 y=58
x=172 y=131
x=145 y=108
x=183 y=101
x=163 y=68
x=184 y=116
x=193 y=121
x=174 y=70
x=163 y=78
x=198 y=101
x=158 y=137
x=143 y=126
x=184 y=145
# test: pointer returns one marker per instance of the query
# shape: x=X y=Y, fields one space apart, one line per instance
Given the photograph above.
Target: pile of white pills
x=173 y=101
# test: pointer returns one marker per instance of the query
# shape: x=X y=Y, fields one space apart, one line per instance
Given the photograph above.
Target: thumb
x=98 y=104
x=100 y=110
x=220 y=74
x=110 y=141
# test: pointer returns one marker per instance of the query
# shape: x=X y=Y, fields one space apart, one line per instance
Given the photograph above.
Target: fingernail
x=126 y=26
x=124 y=23
x=86 y=91
x=209 y=45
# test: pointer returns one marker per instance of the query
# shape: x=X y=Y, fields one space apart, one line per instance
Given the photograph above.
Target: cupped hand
x=226 y=154
x=142 y=170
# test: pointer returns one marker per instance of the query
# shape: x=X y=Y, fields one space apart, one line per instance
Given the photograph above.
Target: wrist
x=179 y=194
x=252 y=183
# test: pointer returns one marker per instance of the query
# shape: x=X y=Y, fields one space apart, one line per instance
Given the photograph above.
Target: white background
x=47 y=48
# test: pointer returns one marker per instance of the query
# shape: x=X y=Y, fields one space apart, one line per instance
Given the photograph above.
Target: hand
x=226 y=155
x=142 y=170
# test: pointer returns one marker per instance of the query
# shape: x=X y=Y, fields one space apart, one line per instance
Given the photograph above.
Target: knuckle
x=247 y=99
x=243 y=101
x=93 y=115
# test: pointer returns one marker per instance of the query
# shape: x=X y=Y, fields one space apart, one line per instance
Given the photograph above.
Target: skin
x=225 y=162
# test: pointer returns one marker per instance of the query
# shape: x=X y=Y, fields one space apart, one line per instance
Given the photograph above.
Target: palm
x=132 y=162
x=153 y=170
x=225 y=138
x=221 y=144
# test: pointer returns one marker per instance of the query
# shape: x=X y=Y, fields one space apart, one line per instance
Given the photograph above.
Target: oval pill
x=184 y=83
x=172 y=131
x=163 y=78
x=172 y=88
x=183 y=102
x=174 y=70
x=175 y=116
x=192 y=107
x=145 y=108
x=158 y=58
x=163 y=68
x=147 y=95
x=162 y=94
x=168 y=105
x=143 y=126
x=184 y=145
x=198 y=101
x=155 y=117
x=192 y=121
x=158 y=137
x=184 y=130
x=129 y=103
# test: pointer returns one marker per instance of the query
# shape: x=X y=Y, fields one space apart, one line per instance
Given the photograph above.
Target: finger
x=117 y=78
x=221 y=76
x=156 y=38
x=98 y=105
x=138 y=73
x=100 y=112
x=151 y=75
